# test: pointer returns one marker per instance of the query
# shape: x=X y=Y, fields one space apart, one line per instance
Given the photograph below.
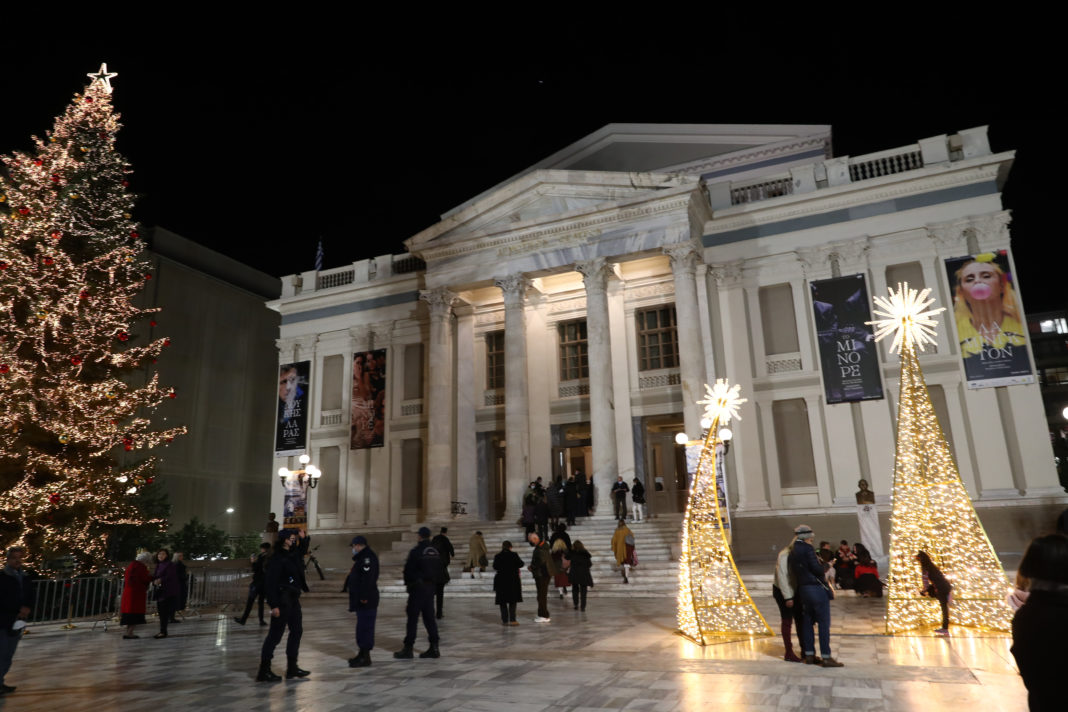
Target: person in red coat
x=135 y=594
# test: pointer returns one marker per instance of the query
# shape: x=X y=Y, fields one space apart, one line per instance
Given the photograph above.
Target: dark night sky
x=257 y=140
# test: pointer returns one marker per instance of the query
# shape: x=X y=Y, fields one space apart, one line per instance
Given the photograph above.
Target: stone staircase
x=656 y=540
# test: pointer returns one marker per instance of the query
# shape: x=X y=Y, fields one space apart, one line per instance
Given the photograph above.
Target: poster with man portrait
x=989 y=320
x=291 y=434
x=368 y=399
x=848 y=357
x=295 y=504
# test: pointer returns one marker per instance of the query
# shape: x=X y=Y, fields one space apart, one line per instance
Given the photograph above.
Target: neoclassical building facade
x=565 y=323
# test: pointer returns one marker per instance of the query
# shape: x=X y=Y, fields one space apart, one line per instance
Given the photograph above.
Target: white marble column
x=466 y=402
x=439 y=470
x=684 y=258
x=516 y=417
x=602 y=411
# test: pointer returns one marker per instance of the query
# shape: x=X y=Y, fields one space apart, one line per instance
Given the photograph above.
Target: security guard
x=363 y=598
x=422 y=571
x=284 y=582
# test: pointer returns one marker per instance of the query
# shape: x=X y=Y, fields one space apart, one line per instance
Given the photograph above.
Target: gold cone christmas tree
x=931 y=510
x=712 y=600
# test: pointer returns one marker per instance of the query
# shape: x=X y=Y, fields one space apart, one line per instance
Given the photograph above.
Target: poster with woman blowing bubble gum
x=989 y=320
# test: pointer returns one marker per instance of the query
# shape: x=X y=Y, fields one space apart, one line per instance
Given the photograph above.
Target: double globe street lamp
x=308 y=474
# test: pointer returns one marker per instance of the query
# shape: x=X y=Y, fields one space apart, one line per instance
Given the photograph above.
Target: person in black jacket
x=363 y=599
x=1040 y=627
x=255 y=589
x=507 y=584
x=283 y=583
x=637 y=498
x=444 y=547
x=15 y=600
x=581 y=579
x=815 y=598
x=422 y=571
x=935 y=585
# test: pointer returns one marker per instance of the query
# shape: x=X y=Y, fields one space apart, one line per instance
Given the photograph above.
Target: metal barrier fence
x=99 y=597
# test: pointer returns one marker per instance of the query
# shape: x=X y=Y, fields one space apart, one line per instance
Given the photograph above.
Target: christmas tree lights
x=712 y=601
x=71 y=265
x=931 y=510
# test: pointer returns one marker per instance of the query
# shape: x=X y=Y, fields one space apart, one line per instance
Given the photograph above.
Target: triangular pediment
x=544 y=196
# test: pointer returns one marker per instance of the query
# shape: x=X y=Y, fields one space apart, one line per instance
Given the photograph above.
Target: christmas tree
x=75 y=426
x=713 y=602
x=931 y=510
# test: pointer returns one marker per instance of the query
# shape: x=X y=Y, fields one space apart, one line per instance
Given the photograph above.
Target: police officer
x=363 y=598
x=421 y=573
x=284 y=581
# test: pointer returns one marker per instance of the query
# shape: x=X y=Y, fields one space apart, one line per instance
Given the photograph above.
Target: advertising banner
x=368 y=399
x=295 y=513
x=989 y=320
x=848 y=356
x=291 y=435
x=693 y=459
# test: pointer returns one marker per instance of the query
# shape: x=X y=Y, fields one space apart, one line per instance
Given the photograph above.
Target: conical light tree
x=931 y=510
x=712 y=602
x=74 y=425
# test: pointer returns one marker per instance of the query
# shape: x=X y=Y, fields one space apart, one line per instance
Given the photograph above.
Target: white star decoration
x=905 y=318
x=722 y=401
x=103 y=76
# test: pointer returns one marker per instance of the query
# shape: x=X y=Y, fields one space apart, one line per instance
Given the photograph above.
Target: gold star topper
x=103 y=76
x=722 y=401
x=904 y=317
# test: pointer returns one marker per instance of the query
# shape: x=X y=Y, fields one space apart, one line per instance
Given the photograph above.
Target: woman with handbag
x=167 y=589
x=624 y=549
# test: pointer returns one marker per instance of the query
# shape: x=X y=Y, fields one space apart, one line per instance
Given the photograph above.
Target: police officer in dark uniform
x=422 y=571
x=362 y=584
x=283 y=583
x=444 y=546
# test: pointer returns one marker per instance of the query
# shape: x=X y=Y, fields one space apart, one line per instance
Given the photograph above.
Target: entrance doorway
x=572 y=451
x=665 y=464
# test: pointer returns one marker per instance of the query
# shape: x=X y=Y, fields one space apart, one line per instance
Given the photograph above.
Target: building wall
x=737 y=272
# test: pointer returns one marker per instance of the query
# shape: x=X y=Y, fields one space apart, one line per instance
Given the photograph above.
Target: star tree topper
x=103 y=76
x=722 y=401
x=905 y=319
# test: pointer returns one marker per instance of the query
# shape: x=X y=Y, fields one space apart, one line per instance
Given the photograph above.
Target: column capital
x=381 y=333
x=307 y=343
x=992 y=231
x=684 y=257
x=285 y=347
x=439 y=300
x=514 y=287
x=727 y=274
x=949 y=236
x=594 y=274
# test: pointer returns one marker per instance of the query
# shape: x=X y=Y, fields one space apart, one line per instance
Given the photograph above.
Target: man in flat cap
x=815 y=597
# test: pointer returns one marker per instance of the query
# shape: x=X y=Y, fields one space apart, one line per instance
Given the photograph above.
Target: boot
x=239 y=621
x=293 y=671
x=404 y=654
x=431 y=652
x=362 y=659
x=265 y=674
x=830 y=662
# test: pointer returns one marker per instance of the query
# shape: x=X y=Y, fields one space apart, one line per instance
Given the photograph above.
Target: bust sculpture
x=865 y=495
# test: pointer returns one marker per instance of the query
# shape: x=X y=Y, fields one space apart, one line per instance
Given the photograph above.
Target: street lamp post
x=308 y=474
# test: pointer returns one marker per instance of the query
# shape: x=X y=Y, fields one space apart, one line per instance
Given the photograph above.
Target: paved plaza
x=621 y=654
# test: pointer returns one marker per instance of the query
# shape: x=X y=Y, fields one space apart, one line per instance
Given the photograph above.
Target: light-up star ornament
x=722 y=401
x=905 y=319
x=103 y=76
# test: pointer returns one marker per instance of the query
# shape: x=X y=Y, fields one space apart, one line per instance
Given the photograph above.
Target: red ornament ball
x=38 y=162
x=153 y=323
x=84 y=294
x=126 y=184
x=4 y=368
x=166 y=342
x=150 y=480
x=76 y=361
x=56 y=234
x=134 y=235
x=170 y=440
x=88 y=100
x=55 y=178
x=4 y=265
x=154 y=361
x=24 y=210
x=54 y=499
x=148 y=277
x=48 y=261
x=172 y=394
x=128 y=448
x=122 y=336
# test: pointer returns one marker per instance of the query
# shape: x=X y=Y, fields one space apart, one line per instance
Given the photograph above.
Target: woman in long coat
x=559 y=553
x=581 y=579
x=135 y=594
x=623 y=548
x=507 y=583
x=476 y=555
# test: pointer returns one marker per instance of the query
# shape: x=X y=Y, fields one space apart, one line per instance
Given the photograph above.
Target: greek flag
x=319 y=256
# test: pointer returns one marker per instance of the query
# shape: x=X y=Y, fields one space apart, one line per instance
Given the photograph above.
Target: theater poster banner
x=291 y=436
x=989 y=320
x=368 y=399
x=295 y=514
x=693 y=459
x=848 y=356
